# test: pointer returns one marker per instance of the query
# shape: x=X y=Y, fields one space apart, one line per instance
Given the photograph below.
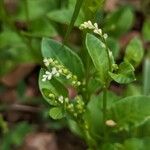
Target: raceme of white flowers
x=94 y=27
x=58 y=69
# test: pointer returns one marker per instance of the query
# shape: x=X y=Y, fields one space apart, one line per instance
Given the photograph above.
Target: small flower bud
x=51 y=95
x=66 y=99
x=111 y=123
x=50 y=60
x=74 y=82
x=105 y=36
x=60 y=99
x=46 y=62
x=114 y=66
x=68 y=76
x=65 y=71
x=78 y=83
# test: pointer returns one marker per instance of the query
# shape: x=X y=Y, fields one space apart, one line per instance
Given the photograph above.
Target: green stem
x=73 y=19
x=107 y=50
x=27 y=12
x=104 y=112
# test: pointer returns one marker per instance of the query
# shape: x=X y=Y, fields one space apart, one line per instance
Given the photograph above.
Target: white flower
x=46 y=62
x=44 y=78
x=105 y=36
x=87 y=25
x=90 y=25
x=49 y=75
x=98 y=31
x=96 y=25
x=60 y=99
x=54 y=71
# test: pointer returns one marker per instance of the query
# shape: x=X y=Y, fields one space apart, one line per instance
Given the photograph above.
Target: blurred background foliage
x=23 y=23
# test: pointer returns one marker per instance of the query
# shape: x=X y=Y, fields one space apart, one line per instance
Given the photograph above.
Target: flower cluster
x=75 y=107
x=58 y=69
x=94 y=27
x=48 y=75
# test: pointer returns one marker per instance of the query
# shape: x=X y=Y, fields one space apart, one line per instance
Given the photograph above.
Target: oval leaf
x=98 y=54
x=130 y=111
x=63 y=54
x=137 y=144
x=64 y=16
x=119 y=22
x=146 y=30
x=125 y=74
x=56 y=113
x=134 y=52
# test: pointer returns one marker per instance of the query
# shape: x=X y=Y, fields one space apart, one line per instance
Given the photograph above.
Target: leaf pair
x=55 y=50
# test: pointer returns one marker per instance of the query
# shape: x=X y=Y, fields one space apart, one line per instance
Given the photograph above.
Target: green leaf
x=119 y=22
x=15 y=136
x=71 y=3
x=41 y=28
x=5 y=41
x=146 y=30
x=114 y=46
x=64 y=16
x=36 y=9
x=98 y=54
x=63 y=54
x=134 y=52
x=146 y=77
x=144 y=129
x=94 y=121
x=53 y=86
x=14 y=51
x=133 y=144
x=130 y=112
x=92 y=6
x=133 y=90
x=136 y=144
x=94 y=114
x=74 y=127
x=56 y=113
x=124 y=75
